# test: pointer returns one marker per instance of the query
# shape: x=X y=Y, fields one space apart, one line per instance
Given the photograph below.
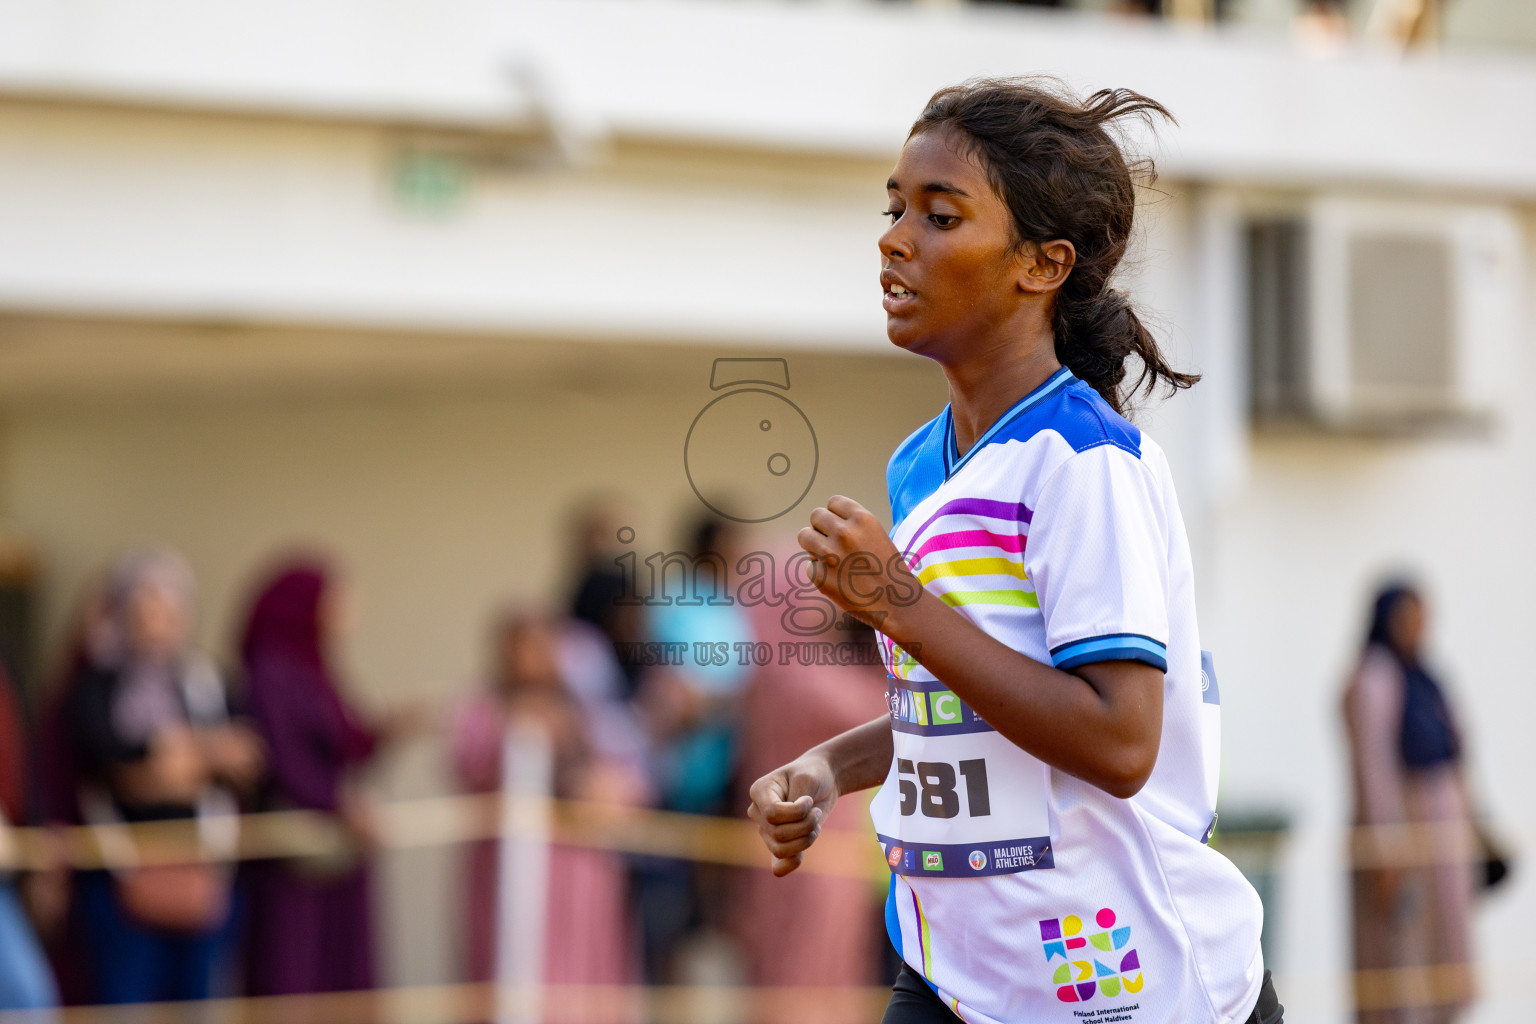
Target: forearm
x=859 y=758
x=1099 y=727
x=1101 y=722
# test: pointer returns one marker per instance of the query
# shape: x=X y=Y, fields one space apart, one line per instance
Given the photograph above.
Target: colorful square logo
x=894 y=857
x=946 y=707
x=933 y=860
x=1094 y=963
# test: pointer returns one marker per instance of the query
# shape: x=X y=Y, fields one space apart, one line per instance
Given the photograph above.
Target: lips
x=898 y=296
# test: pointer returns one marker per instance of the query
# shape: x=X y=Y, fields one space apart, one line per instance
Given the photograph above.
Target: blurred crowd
x=138 y=725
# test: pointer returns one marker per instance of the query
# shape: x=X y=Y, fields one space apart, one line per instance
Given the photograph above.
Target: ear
x=1044 y=266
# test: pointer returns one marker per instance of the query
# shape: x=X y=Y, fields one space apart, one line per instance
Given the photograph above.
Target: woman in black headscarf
x=1413 y=879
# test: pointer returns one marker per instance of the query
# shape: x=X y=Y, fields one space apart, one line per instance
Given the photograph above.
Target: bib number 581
x=938 y=797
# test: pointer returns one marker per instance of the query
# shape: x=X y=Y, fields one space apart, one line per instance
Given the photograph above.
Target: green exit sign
x=431 y=182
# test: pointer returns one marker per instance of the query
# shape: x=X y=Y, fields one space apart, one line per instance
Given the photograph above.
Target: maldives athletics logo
x=1089 y=962
x=978 y=860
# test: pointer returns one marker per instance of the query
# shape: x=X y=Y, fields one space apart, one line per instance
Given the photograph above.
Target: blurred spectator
x=588 y=937
x=311 y=922
x=1322 y=25
x=1413 y=896
x=692 y=705
x=155 y=740
x=597 y=598
x=789 y=708
x=61 y=778
x=25 y=980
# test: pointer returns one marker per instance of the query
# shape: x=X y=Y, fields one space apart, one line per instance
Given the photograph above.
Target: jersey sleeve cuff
x=1111 y=647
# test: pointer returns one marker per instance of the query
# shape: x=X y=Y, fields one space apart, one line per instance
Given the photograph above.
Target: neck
x=990 y=377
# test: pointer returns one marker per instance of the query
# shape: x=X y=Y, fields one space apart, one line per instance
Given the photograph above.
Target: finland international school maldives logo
x=1088 y=961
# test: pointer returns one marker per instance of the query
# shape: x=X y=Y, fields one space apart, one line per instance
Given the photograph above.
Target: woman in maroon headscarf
x=310 y=921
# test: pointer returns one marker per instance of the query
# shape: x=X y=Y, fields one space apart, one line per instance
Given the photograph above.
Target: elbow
x=1124 y=775
x=1125 y=786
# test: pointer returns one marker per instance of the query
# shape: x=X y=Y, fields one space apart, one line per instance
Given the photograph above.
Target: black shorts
x=914 y=1002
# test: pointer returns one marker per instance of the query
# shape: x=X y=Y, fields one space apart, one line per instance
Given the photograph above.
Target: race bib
x=960 y=800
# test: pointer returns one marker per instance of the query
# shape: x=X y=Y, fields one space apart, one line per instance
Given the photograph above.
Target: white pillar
x=523 y=872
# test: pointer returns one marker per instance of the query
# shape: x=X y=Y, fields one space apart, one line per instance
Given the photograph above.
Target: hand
x=360 y=817
x=607 y=783
x=669 y=703
x=174 y=768
x=235 y=754
x=45 y=888
x=857 y=566
x=789 y=804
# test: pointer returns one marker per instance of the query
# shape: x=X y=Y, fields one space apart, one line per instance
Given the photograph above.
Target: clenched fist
x=856 y=565
x=789 y=804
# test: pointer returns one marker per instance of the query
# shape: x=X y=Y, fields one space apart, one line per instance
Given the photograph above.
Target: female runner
x=1049 y=760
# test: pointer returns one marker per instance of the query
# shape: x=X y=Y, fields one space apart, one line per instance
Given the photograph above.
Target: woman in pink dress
x=589 y=938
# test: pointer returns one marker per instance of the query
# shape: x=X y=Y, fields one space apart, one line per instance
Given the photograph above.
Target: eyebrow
x=932 y=187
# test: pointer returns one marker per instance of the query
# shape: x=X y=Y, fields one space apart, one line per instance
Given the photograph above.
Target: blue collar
x=953 y=460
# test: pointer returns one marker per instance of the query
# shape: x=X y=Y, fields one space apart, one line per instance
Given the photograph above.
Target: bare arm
x=790 y=803
x=1101 y=722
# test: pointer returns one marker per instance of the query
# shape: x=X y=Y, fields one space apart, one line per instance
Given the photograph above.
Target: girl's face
x=950 y=267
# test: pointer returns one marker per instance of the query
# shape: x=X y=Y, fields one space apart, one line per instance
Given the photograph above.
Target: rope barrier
x=449 y=820
x=425 y=822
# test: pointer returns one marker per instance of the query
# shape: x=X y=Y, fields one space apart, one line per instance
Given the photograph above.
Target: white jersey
x=1023 y=894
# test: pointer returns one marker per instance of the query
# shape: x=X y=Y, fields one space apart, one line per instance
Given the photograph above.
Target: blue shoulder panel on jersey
x=1080 y=415
x=1063 y=403
x=917 y=468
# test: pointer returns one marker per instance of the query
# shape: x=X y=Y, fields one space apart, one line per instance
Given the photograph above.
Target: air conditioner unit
x=1382 y=316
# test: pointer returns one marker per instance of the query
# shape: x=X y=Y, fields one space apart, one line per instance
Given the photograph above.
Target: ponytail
x=1095 y=337
x=1053 y=161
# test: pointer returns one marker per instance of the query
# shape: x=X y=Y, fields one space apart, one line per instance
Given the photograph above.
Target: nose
x=896 y=243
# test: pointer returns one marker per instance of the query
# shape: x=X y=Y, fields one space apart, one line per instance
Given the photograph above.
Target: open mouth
x=896 y=291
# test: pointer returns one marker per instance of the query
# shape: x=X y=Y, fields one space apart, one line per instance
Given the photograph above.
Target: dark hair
x=1052 y=159
x=1388 y=598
